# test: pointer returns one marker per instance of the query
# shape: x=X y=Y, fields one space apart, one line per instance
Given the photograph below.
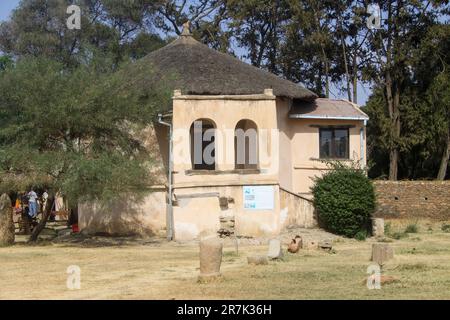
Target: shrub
x=411 y=228
x=399 y=235
x=387 y=228
x=361 y=235
x=345 y=200
x=445 y=227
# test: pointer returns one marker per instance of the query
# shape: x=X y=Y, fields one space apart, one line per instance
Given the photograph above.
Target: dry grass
x=169 y=271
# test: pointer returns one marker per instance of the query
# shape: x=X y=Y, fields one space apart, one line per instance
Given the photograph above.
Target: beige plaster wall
x=288 y=153
x=296 y=211
x=285 y=144
x=225 y=113
x=305 y=149
x=200 y=215
x=145 y=216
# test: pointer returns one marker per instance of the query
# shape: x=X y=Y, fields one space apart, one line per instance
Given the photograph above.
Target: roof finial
x=186 y=29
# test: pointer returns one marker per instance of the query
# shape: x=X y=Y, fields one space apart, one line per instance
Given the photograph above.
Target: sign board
x=258 y=197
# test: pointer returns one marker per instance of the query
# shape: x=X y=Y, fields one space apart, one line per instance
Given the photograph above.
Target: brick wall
x=413 y=199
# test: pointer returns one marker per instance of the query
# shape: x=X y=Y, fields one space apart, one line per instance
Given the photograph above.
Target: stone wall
x=413 y=199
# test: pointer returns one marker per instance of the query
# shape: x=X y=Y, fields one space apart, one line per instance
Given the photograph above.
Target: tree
x=74 y=131
x=311 y=48
x=206 y=17
x=258 y=27
x=423 y=108
x=5 y=62
x=432 y=64
x=406 y=24
x=351 y=32
x=38 y=28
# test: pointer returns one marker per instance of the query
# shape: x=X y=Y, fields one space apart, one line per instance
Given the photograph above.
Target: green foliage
x=423 y=109
x=5 y=62
x=345 y=199
x=361 y=235
x=445 y=227
x=412 y=228
x=387 y=228
x=38 y=28
x=75 y=131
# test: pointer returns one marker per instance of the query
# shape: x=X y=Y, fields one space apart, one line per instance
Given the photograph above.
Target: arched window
x=203 y=153
x=246 y=145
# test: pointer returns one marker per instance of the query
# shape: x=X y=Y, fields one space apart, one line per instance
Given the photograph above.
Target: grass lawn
x=169 y=271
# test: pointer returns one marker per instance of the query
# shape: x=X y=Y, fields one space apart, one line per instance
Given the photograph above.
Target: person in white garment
x=44 y=200
x=32 y=203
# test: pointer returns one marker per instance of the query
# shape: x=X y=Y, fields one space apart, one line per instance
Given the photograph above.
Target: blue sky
x=6 y=7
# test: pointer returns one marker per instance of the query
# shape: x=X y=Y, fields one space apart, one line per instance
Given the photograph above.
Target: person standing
x=32 y=203
x=44 y=200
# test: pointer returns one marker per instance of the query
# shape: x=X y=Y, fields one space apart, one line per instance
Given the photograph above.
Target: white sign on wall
x=258 y=197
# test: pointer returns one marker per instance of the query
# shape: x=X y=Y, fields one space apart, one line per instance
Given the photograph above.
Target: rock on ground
x=6 y=221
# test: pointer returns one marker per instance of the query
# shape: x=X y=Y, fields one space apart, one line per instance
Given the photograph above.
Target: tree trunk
x=444 y=160
x=393 y=101
x=45 y=215
x=393 y=164
x=347 y=74
x=355 y=79
x=327 y=80
x=327 y=71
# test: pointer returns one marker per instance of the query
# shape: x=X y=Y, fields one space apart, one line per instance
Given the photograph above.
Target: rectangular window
x=334 y=143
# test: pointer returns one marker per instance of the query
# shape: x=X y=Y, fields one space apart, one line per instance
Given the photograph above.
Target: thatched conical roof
x=195 y=68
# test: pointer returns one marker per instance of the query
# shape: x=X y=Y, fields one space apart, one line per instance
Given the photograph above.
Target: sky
x=6 y=7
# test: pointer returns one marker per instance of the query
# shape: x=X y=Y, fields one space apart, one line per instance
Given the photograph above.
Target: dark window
x=246 y=145
x=334 y=143
x=203 y=153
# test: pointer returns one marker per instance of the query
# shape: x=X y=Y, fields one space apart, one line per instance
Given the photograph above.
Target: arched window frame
x=251 y=160
x=208 y=142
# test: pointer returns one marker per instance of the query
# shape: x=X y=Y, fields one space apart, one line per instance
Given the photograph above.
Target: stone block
x=210 y=258
x=381 y=253
x=275 y=250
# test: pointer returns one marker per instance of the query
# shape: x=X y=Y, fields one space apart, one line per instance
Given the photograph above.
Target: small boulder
x=275 y=250
x=378 y=227
x=326 y=245
x=210 y=259
x=381 y=253
x=7 y=230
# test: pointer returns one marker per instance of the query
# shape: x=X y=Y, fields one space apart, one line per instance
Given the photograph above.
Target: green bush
x=345 y=200
x=445 y=227
x=411 y=228
x=387 y=228
x=361 y=235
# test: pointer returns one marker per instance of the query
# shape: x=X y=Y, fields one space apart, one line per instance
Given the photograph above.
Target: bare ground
x=127 y=268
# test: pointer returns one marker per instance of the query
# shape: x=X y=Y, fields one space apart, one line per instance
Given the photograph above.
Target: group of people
x=33 y=200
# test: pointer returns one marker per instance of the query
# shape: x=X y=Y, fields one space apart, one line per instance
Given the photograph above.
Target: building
x=245 y=146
